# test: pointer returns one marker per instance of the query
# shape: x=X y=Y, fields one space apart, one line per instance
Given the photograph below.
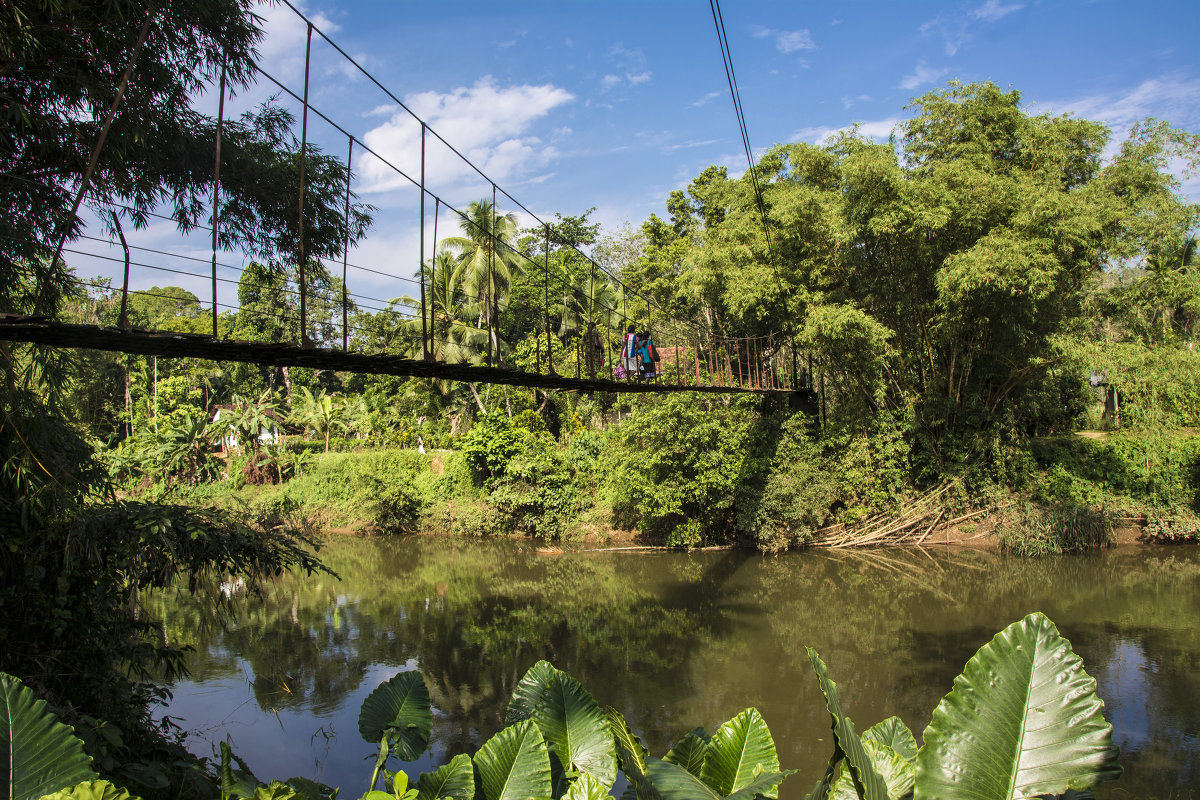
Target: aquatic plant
x=1022 y=720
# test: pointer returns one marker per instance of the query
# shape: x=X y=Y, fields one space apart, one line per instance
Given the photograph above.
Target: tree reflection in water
x=677 y=640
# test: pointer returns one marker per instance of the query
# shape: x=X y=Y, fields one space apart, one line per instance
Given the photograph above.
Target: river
x=677 y=640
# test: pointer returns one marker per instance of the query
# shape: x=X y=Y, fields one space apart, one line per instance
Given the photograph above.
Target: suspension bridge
x=452 y=325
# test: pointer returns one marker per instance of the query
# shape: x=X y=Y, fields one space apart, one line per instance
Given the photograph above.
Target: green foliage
x=675 y=468
x=1023 y=719
x=514 y=764
x=529 y=484
x=38 y=754
x=1153 y=467
x=454 y=780
x=91 y=790
x=400 y=710
x=1060 y=528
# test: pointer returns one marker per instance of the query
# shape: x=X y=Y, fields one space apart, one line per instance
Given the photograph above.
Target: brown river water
x=679 y=640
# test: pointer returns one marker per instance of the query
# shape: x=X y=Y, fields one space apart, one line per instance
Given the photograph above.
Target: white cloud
x=786 y=41
x=993 y=10
x=921 y=75
x=705 y=100
x=953 y=32
x=879 y=130
x=692 y=143
x=1173 y=99
x=848 y=102
x=489 y=124
x=791 y=41
x=630 y=63
x=1176 y=100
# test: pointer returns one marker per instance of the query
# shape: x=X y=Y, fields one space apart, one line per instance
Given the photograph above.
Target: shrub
x=799 y=493
x=679 y=462
x=1059 y=528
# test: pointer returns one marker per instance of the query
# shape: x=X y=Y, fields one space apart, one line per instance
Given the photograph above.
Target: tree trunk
x=287 y=384
x=475 y=394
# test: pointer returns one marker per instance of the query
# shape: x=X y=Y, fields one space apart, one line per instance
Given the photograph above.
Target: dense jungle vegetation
x=957 y=287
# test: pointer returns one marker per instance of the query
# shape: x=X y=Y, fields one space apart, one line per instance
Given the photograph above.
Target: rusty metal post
x=437 y=212
x=697 y=358
x=546 y=303
x=421 y=261
x=216 y=214
x=304 y=342
x=491 y=287
x=608 y=344
x=346 y=251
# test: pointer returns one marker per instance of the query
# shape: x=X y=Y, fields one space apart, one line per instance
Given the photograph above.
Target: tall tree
x=487 y=262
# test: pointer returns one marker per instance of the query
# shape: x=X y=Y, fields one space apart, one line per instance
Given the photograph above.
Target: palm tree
x=318 y=413
x=449 y=313
x=486 y=263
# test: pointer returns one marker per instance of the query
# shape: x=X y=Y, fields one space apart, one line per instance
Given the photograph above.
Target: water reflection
x=677 y=640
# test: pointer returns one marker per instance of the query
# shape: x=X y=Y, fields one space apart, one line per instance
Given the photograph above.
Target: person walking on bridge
x=629 y=355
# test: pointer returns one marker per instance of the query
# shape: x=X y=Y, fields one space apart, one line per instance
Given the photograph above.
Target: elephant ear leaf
x=867 y=782
x=455 y=780
x=631 y=754
x=893 y=733
x=587 y=788
x=740 y=750
x=689 y=751
x=91 y=790
x=576 y=730
x=897 y=773
x=1023 y=719
x=38 y=754
x=402 y=705
x=673 y=782
x=515 y=764
x=529 y=690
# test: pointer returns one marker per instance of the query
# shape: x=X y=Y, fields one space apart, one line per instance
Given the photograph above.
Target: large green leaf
x=515 y=764
x=455 y=779
x=529 y=691
x=576 y=730
x=402 y=705
x=673 y=782
x=235 y=783
x=897 y=773
x=91 y=790
x=587 y=788
x=893 y=733
x=1023 y=719
x=740 y=749
x=632 y=756
x=689 y=752
x=312 y=790
x=869 y=784
x=38 y=754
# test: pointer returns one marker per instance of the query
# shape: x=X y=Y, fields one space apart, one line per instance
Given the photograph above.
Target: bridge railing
x=434 y=309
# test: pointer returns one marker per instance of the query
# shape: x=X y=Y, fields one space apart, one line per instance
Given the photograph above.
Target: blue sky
x=574 y=104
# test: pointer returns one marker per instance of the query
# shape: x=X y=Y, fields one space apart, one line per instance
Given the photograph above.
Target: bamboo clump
x=911 y=525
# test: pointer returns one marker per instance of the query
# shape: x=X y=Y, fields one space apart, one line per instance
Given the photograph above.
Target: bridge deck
x=182 y=345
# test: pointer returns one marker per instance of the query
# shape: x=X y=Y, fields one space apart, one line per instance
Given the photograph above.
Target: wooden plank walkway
x=182 y=345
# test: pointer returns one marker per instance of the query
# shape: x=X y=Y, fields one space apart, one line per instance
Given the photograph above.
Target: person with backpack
x=647 y=356
x=629 y=355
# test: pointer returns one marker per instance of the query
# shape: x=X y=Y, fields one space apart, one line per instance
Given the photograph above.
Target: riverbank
x=1068 y=504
